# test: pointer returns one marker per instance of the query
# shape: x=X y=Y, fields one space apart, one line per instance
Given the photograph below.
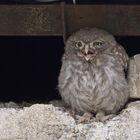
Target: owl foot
x=85 y=118
x=73 y=113
x=101 y=117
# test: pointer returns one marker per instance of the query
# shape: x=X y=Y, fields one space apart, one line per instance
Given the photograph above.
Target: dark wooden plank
x=30 y=20
x=118 y=19
x=123 y=20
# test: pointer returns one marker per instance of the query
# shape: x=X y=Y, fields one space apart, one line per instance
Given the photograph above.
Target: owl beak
x=88 y=53
x=86 y=50
x=87 y=57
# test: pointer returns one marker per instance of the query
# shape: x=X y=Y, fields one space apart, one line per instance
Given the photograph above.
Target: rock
x=46 y=122
x=12 y=104
x=1 y=105
x=38 y=122
x=25 y=104
x=134 y=76
x=57 y=103
x=9 y=105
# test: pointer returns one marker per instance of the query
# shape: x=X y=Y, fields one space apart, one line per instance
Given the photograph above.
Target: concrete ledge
x=46 y=122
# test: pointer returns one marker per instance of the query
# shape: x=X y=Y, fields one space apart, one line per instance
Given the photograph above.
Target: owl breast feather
x=93 y=87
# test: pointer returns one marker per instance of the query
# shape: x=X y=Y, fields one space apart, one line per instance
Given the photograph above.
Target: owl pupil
x=97 y=43
x=78 y=44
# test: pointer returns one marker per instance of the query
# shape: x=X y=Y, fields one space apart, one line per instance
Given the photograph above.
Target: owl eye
x=78 y=44
x=97 y=44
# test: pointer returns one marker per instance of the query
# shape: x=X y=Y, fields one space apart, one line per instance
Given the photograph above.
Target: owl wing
x=65 y=73
x=121 y=55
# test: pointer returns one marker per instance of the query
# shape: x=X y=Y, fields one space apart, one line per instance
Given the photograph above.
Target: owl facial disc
x=88 y=53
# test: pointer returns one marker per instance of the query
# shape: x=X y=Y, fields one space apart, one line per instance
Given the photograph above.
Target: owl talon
x=73 y=113
x=85 y=118
x=100 y=117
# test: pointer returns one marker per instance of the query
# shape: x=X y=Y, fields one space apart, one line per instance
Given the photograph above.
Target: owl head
x=87 y=43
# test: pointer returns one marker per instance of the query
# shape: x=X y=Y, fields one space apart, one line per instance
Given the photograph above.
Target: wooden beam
x=30 y=20
x=122 y=20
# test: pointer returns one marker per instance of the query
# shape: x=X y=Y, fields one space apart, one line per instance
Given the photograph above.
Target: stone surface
x=46 y=122
x=134 y=76
x=11 y=104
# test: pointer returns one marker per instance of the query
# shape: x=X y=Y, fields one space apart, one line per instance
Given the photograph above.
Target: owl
x=92 y=78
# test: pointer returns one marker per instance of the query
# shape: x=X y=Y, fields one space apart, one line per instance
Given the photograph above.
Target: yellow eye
x=78 y=44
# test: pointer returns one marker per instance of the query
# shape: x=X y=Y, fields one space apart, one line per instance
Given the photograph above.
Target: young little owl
x=92 y=78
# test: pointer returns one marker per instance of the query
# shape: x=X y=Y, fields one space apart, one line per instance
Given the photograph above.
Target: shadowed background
x=29 y=66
